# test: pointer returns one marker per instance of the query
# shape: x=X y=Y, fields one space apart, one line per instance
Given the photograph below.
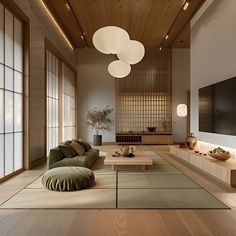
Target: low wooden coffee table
x=140 y=160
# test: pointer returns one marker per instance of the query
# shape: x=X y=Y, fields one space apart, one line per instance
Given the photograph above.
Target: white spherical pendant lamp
x=119 y=69
x=133 y=54
x=182 y=110
x=110 y=39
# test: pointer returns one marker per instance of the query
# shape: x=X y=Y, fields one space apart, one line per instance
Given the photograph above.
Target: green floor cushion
x=68 y=178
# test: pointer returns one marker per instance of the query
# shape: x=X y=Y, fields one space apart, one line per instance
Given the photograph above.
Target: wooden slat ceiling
x=147 y=21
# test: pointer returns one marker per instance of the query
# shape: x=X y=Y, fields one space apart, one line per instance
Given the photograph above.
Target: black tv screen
x=217 y=108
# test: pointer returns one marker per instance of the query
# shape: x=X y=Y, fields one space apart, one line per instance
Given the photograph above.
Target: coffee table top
x=139 y=159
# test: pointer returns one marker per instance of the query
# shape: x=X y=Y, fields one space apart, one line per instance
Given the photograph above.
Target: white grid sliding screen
x=68 y=103
x=143 y=98
x=61 y=100
x=11 y=93
x=52 y=101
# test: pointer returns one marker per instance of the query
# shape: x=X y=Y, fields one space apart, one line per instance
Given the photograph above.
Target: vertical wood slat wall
x=143 y=99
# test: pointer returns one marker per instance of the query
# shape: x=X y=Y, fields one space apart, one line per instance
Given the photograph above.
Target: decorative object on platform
x=219 y=154
x=183 y=145
x=127 y=151
x=182 y=110
x=124 y=150
x=99 y=120
x=191 y=141
x=133 y=54
x=151 y=129
x=110 y=39
x=165 y=124
x=119 y=69
x=200 y=153
x=132 y=149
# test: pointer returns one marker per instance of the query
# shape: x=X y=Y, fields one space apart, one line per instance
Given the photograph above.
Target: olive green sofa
x=58 y=159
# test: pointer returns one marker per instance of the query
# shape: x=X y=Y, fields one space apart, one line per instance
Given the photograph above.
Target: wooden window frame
x=19 y=14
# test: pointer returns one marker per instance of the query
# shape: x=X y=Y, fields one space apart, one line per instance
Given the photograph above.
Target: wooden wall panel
x=145 y=20
x=143 y=98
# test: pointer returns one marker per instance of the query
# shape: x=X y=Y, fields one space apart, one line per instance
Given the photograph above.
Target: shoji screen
x=68 y=103
x=60 y=100
x=52 y=101
x=11 y=93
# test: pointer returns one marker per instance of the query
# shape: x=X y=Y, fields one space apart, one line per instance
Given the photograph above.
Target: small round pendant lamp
x=110 y=39
x=182 y=110
x=133 y=54
x=119 y=69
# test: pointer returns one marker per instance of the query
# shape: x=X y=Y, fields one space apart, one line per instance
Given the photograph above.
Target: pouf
x=68 y=178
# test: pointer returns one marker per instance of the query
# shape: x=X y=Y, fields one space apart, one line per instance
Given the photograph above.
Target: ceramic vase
x=191 y=141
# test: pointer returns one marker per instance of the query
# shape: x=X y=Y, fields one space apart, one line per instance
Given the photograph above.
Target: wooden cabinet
x=224 y=171
x=144 y=138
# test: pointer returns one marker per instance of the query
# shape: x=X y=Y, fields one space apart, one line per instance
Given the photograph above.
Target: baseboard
x=109 y=143
x=37 y=162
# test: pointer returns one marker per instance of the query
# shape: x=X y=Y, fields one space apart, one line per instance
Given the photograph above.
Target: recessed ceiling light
x=67 y=6
x=160 y=48
x=167 y=36
x=186 y=4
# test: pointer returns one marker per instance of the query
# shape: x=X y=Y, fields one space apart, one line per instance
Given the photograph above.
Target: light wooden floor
x=120 y=222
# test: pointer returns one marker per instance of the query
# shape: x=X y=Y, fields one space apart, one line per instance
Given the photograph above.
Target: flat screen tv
x=217 y=108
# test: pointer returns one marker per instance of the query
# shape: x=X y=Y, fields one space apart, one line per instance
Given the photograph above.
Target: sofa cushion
x=85 y=161
x=68 y=179
x=77 y=147
x=74 y=161
x=92 y=156
x=55 y=155
x=67 y=150
x=84 y=144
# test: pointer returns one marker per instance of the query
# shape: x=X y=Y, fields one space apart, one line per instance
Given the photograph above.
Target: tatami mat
x=155 y=169
x=158 y=187
x=43 y=198
x=155 y=181
x=99 y=168
x=168 y=198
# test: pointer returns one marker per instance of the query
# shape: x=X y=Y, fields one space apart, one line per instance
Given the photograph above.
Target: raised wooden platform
x=224 y=171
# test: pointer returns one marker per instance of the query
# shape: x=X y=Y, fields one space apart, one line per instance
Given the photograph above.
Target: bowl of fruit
x=219 y=154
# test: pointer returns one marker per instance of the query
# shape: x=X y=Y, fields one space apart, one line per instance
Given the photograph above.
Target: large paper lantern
x=182 y=110
x=119 y=69
x=110 y=39
x=133 y=53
